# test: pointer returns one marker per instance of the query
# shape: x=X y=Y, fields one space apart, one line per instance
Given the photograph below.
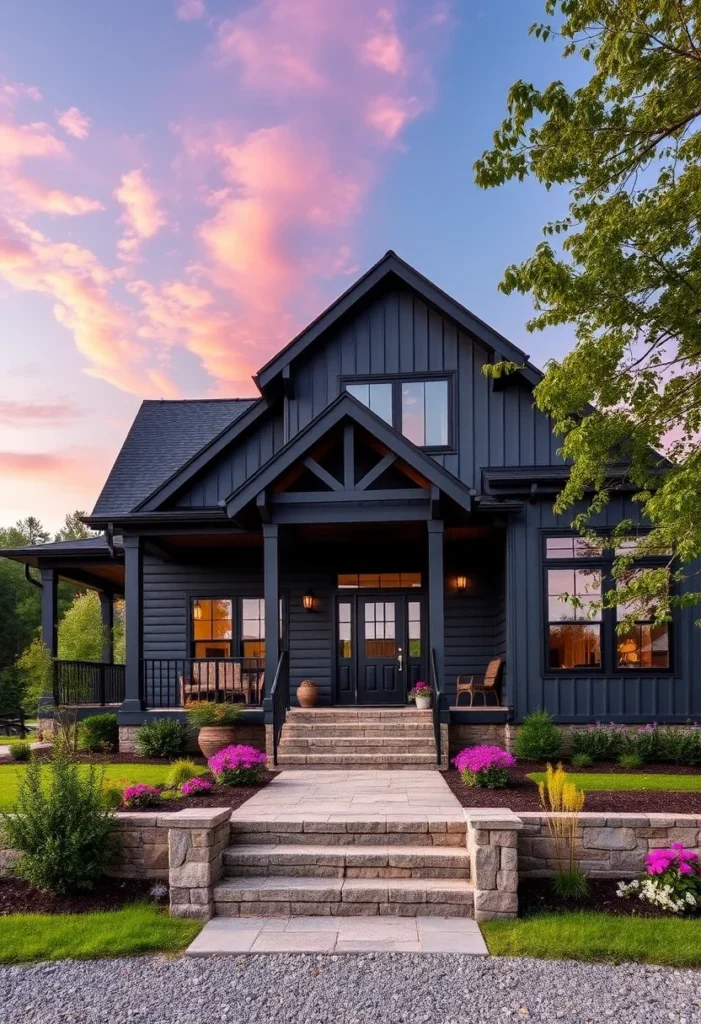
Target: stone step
x=361 y=716
x=319 y=743
x=350 y=760
x=439 y=830
x=284 y=896
x=357 y=729
x=346 y=861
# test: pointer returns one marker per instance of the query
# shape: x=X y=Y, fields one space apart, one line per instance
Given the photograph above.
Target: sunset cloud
x=190 y=10
x=385 y=52
x=75 y=123
x=12 y=92
x=36 y=198
x=142 y=216
x=28 y=141
x=37 y=414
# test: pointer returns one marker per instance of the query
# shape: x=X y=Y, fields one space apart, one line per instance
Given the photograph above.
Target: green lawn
x=136 y=929
x=604 y=937
x=638 y=780
x=119 y=774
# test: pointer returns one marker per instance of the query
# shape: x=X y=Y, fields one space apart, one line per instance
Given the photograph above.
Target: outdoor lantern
x=461 y=582
x=308 y=601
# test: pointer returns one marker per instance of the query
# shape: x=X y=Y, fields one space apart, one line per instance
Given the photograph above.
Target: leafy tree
x=31 y=531
x=73 y=529
x=80 y=631
x=626 y=271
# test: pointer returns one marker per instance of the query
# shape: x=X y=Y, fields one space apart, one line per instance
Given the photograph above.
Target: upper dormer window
x=419 y=407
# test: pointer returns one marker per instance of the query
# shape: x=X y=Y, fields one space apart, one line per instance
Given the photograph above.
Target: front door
x=380 y=647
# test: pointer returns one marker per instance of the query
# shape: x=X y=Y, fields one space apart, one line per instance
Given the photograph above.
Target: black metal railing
x=279 y=699
x=171 y=682
x=437 y=695
x=88 y=682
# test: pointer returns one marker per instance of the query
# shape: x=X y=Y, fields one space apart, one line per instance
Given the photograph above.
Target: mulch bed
x=537 y=896
x=218 y=796
x=522 y=794
x=84 y=758
x=19 y=897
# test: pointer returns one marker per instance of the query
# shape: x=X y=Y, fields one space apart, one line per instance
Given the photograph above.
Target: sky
x=184 y=184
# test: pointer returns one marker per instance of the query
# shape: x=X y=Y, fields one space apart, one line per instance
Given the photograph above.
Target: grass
x=140 y=928
x=590 y=781
x=598 y=937
x=119 y=774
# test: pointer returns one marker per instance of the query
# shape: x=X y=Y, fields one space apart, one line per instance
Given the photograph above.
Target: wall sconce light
x=308 y=601
x=197 y=610
x=461 y=582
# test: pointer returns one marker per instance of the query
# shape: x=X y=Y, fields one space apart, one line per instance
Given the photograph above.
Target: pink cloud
x=75 y=123
x=24 y=142
x=36 y=198
x=40 y=414
x=385 y=52
x=389 y=115
x=12 y=92
x=190 y=10
x=142 y=216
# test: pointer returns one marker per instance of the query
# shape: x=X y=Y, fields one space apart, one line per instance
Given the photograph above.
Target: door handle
x=400 y=659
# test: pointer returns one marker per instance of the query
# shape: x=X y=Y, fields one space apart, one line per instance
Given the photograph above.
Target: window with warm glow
x=253 y=627
x=574 y=623
x=378 y=580
x=645 y=643
x=211 y=627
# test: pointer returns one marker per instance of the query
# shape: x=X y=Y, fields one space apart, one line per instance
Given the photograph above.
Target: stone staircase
x=385 y=865
x=358 y=738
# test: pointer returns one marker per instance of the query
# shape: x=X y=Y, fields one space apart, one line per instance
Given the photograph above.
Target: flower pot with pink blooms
x=215 y=724
x=420 y=694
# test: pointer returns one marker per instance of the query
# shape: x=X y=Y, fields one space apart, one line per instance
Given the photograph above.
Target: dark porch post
x=133 y=584
x=107 y=618
x=436 y=617
x=49 y=634
x=271 y=593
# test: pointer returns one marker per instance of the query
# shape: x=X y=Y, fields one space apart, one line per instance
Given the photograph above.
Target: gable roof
x=391 y=266
x=164 y=436
x=345 y=406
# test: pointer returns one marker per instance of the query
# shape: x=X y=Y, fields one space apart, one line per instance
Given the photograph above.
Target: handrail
x=279 y=701
x=87 y=682
x=436 y=705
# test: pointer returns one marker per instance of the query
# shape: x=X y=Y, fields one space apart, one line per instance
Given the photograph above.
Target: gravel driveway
x=348 y=989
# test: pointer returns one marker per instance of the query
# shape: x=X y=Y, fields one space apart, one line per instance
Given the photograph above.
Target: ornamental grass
x=563 y=802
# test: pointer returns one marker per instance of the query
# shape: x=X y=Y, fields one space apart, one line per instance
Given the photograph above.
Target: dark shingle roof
x=163 y=436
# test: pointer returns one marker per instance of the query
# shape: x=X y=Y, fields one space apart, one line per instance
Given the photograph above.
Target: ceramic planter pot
x=212 y=738
x=423 y=703
x=307 y=694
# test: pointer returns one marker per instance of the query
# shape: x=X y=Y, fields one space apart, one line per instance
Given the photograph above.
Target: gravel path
x=364 y=989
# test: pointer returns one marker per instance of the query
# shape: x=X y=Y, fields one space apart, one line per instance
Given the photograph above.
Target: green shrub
x=581 y=760
x=538 y=739
x=679 y=746
x=112 y=797
x=164 y=737
x=20 y=750
x=201 y=713
x=599 y=742
x=182 y=771
x=60 y=825
x=99 y=733
x=631 y=761
x=640 y=742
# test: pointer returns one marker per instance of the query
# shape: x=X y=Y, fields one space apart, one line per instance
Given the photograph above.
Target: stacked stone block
x=492 y=844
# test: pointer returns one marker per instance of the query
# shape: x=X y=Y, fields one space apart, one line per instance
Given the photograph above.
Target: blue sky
x=185 y=183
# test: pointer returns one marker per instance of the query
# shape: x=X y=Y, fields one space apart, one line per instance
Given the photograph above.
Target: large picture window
x=418 y=406
x=228 y=627
x=581 y=636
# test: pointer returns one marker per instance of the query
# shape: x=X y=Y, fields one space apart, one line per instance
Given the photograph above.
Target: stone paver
x=318 y=795
x=224 y=935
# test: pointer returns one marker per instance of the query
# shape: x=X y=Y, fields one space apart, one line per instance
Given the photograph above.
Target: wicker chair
x=488 y=686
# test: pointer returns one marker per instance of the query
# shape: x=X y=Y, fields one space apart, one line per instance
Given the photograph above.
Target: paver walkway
x=224 y=935
x=337 y=793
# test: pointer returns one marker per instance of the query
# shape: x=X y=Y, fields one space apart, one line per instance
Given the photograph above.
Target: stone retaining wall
x=609 y=845
x=253 y=735
x=492 y=843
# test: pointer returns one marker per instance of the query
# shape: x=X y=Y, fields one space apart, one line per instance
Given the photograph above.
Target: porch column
x=107 y=619
x=271 y=593
x=49 y=635
x=436 y=617
x=133 y=626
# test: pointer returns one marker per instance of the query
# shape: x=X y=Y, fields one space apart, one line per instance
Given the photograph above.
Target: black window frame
x=237 y=599
x=604 y=563
x=396 y=380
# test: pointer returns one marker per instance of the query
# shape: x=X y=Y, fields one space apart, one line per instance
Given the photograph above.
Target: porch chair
x=489 y=684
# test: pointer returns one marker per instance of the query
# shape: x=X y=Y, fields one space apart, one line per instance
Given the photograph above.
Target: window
x=418 y=407
x=380 y=635
x=345 y=644
x=378 y=580
x=645 y=644
x=574 y=630
x=211 y=628
x=414 y=629
x=581 y=637
x=253 y=627
x=377 y=397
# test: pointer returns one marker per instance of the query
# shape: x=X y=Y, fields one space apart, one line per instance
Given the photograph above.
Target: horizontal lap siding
x=578 y=697
x=471 y=617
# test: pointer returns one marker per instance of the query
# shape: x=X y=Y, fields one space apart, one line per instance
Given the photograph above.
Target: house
x=381 y=514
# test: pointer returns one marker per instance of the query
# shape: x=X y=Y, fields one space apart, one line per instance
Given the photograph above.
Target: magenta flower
x=238 y=765
x=140 y=795
x=195 y=786
x=480 y=759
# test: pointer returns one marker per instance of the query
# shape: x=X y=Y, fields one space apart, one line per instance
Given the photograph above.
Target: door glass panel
x=414 y=629
x=380 y=633
x=345 y=648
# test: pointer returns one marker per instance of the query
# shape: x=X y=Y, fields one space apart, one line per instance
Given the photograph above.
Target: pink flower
x=235 y=757
x=194 y=786
x=479 y=759
x=140 y=795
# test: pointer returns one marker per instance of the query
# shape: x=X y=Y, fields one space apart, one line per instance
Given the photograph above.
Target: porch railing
x=280 y=700
x=437 y=695
x=170 y=682
x=88 y=682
